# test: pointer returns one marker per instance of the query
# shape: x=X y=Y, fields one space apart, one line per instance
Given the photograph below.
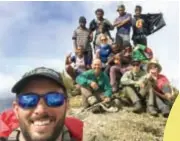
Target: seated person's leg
x=114 y=70
x=165 y=109
x=150 y=102
x=86 y=93
x=166 y=89
x=131 y=93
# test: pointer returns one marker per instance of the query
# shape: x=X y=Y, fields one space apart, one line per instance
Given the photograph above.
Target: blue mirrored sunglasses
x=30 y=100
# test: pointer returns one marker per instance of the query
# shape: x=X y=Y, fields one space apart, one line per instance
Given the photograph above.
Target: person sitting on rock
x=115 y=73
x=95 y=86
x=162 y=89
x=137 y=90
x=143 y=53
x=123 y=25
x=104 y=50
x=81 y=64
x=126 y=58
x=115 y=50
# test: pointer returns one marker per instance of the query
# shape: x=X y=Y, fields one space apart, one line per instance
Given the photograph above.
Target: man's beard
x=57 y=131
x=97 y=71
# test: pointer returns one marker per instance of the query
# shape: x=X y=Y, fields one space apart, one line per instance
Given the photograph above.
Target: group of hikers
x=41 y=99
x=118 y=65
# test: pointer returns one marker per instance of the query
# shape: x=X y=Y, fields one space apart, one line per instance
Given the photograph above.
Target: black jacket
x=151 y=24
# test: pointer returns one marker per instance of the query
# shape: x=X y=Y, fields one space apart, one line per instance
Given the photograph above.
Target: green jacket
x=139 y=53
x=85 y=79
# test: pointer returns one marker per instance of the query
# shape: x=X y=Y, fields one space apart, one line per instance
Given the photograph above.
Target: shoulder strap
x=66 y=135
x=14 y=136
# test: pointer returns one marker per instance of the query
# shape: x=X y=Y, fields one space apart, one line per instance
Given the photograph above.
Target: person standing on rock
x=137 y=90
x=145 y=25
x=81 y=37
x=139 y=27
x=100 y=25
x=95 y=86
x=123 y=24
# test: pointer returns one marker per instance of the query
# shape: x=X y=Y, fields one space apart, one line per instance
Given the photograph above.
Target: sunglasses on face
x=30 y=100
x=103 y=39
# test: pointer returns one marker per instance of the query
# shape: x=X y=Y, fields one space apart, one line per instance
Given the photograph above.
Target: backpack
x=9 y=122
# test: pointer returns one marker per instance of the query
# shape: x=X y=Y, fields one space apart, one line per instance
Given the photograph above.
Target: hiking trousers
x=138 y=94
x=115 y=75
x=86 y=93
x=162 y=105
x=122 y=39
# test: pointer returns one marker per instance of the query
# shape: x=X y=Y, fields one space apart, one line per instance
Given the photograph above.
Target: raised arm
x=125 y=21
x=121 y=23
x=68 y=59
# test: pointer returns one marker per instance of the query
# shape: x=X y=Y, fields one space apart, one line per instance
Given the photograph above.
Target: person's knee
x=113 y=69
x=128 y=88
x=92 y=100
x=86 y=92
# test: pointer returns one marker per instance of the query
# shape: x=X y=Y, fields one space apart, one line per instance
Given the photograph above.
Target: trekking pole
x=111 y=109
x=89 y=108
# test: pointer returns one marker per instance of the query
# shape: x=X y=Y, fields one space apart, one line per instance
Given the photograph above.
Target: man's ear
x=15 y=108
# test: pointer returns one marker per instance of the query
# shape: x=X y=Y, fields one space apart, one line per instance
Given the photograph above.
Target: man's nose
x=41 y=107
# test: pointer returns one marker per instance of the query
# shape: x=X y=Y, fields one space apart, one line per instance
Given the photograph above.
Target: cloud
x=40 y=34
x=8 y=81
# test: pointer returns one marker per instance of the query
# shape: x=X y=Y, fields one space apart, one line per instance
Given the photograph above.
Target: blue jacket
x=104 y=52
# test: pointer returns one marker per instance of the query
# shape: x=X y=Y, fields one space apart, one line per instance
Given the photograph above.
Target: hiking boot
x=165 y=112
x=137 y=107
x=97 y=109
x=117 y=103
x=92 y=100
x=165 y=115
x=152 y=111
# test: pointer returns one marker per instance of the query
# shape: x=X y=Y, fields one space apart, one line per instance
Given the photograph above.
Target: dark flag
x=154 y=22
x=145 y=25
